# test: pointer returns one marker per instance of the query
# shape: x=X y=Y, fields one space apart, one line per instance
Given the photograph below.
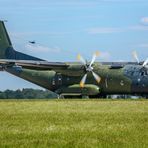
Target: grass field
x=74 y=123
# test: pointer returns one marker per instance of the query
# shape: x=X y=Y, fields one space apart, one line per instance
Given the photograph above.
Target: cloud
x=105 y=55
x=144 y=20
x=55 y=33
x=143 y=45
x=42 y=49
x=138 y=28
x=110 y=30
x=104 y=30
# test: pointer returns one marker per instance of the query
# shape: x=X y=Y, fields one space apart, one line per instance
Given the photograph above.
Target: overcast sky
x=64 y=28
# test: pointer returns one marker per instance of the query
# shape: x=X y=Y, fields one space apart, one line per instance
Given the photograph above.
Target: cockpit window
x=143 y=73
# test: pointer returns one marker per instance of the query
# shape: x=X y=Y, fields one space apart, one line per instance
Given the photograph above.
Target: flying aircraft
x=78 y=79
x=32 y=42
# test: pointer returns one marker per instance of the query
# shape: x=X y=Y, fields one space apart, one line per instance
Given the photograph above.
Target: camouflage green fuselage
x=64 y=78
x=131 y=79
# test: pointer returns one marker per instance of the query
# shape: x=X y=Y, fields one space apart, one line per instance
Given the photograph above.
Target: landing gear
x=61 y=97
x=72 y=97
x=102 y=96
x=99 y=97
x=85 y=97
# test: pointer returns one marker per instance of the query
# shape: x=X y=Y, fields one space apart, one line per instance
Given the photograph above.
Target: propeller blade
x=145 y=62
x=82 y=83
x=135 y=56
x=97 y=77
x=80 y=58
x=96 y=54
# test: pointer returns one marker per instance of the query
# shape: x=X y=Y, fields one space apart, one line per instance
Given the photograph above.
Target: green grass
x=74 y=123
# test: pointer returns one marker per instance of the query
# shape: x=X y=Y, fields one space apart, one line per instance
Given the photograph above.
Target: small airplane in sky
x=32 y=42
x=78 y=79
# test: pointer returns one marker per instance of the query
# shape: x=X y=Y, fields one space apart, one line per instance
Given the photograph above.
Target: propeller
x=135 y=55
x=89 y=68
x=145 y=62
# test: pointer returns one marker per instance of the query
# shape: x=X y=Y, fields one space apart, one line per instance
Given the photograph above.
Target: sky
x=64 y=28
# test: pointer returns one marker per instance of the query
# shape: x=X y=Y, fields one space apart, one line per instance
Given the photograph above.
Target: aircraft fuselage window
x=143 y=73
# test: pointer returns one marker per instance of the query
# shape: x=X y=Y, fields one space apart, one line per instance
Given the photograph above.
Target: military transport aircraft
x=81 y=79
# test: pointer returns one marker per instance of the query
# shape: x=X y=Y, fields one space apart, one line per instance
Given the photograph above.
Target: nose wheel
x=85 y=97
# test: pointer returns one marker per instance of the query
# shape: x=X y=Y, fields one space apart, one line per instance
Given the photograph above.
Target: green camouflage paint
x=131 y=78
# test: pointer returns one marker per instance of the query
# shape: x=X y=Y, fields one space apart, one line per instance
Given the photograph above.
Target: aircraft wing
x=34 y=65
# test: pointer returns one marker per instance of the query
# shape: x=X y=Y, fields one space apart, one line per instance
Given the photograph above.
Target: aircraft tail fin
x=6 y=49
x=5 y=42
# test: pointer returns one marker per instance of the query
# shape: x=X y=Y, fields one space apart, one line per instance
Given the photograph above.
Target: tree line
x=27 y=93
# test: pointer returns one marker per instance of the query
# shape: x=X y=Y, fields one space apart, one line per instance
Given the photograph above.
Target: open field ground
x=74 y=123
